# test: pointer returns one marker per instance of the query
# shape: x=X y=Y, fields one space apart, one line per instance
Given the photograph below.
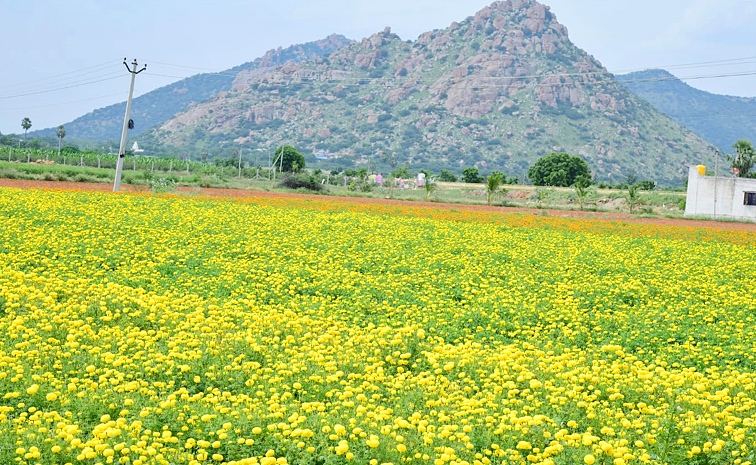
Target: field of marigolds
x=142 y=329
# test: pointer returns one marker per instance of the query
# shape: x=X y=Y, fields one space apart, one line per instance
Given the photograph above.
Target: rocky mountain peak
x=507 y=77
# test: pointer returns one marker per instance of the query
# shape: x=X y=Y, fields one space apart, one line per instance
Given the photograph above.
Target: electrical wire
x=65 y=103
x=86 y=70
x=387 y=82
x=61 y=88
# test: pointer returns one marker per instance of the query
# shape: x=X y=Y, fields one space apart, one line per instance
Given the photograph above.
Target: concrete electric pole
x=240 y=150
x=122 y=151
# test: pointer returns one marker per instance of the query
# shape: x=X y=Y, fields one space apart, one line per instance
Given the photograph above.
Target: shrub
x=301 y=182
x=447 y=176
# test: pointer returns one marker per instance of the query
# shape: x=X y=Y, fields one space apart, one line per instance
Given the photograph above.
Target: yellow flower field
x=139 y=329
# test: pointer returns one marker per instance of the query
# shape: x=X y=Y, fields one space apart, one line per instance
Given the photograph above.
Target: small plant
x=581 y=185
x=430 y=188
x=542 y=196
x=633 y=197
x=493 y=186
x=162 y=184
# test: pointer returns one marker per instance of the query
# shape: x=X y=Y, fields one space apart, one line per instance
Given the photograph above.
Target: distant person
x=420 y=179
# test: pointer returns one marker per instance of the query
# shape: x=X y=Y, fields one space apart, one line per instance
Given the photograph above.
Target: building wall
x=719 y=197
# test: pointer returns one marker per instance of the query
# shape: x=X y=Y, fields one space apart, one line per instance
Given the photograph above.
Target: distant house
x=135 y=148
x=720 y=197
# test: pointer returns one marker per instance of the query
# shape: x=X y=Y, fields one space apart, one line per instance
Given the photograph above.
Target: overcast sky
x=68 y=45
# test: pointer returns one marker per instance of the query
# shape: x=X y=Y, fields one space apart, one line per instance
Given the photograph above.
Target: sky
x=61 y=60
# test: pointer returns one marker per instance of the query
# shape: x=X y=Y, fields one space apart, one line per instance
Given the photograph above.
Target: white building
x=719 y=197
x=136 y=148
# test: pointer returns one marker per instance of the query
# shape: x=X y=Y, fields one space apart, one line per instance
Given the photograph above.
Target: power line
x=72 y=75
x=59 y=88
x=727 y=62
x=60 y=83
x=86 y=70
x=62 y=103
x=391 y=81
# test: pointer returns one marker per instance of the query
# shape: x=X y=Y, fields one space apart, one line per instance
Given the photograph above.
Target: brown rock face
x=367 y=60
x=605 y=102
x=559 y=89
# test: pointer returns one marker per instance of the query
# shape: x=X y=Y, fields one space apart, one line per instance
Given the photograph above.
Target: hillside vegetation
x=720 y=119
x=159 y=105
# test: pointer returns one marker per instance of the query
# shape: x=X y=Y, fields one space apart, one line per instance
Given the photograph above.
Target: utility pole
x=124 y=133
x=716 y=173
x=240 y=150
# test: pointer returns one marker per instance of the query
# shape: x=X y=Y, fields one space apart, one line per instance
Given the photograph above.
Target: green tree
x=581 y=185
x=402 y=172
x=447 y=176
x=471 y=176
x=292 y=160
x=61 y=133
x=493 y=186
x=745 y=158
x=558 y=169
x=26 y=125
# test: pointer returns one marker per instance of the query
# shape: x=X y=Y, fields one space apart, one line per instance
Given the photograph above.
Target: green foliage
x=493 y=186
x=430 y=188
x=504 y=178
x=471 y=176
x=726 y=119
x=360 y=185
x=231 y=161
x=402 y=172
x=292 y=162
x=447 y=176
x=581 y=185
x=26 y=124
x=558 y=169
x=302 y=181
x=633 y=198
x=646 y=185
x=745 y=158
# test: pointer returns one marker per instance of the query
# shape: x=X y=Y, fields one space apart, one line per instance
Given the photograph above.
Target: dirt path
x=215 y=192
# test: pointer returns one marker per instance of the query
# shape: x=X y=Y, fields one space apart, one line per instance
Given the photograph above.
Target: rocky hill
x=496 y=90
x=159 y=105
x=720 y=119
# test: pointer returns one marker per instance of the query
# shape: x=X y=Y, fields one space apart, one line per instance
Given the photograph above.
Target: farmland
x=143 y=329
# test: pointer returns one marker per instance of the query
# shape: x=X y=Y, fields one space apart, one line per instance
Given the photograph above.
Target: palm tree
x=493 y=185
x=745 y=158
x=26 y=124
x=61 y=133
